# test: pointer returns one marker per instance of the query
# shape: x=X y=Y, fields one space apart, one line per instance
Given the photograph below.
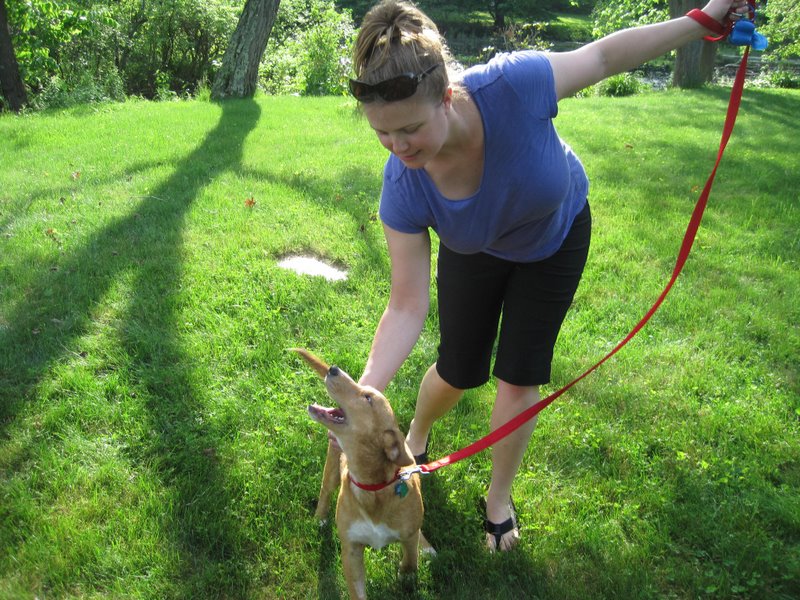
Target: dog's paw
x=408 y=575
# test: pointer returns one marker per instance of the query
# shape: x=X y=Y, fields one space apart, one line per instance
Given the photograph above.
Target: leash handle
x=711 y=24
x=683 y=255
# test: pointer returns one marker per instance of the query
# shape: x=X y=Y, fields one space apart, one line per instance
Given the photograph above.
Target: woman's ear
x=448 y=98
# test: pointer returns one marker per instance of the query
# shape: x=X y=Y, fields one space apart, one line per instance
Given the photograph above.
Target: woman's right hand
x=725 y=10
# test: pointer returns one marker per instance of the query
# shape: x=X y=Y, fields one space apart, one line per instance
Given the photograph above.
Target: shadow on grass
x=44 y=326
x=463 y=568
x=327 y=573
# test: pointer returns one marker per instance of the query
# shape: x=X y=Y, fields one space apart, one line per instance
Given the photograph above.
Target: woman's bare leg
x=436 y=397
x=507 y=454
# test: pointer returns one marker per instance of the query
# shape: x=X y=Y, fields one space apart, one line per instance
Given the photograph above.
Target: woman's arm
x=629 y=48
x=402 y=321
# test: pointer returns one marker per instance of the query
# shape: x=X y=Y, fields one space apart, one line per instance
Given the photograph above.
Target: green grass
x=153 y=435
x=569 y=27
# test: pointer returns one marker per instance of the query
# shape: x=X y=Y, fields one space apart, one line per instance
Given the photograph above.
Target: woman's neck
x=465 y=129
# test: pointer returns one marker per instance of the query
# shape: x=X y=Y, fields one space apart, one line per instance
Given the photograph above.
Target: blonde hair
x=395 y=38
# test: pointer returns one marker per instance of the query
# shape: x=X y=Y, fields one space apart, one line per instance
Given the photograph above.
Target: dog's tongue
x=332 y=414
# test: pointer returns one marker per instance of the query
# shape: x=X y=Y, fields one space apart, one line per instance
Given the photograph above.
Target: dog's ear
x=395 y=447
x=320 y=367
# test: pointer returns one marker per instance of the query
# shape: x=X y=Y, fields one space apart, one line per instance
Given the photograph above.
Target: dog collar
x=374 y=487
x=401 y=489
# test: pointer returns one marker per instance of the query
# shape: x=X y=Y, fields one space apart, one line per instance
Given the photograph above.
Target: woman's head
x=397 y=39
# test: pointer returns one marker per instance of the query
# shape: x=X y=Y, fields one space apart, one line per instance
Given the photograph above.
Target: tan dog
x=374 y=507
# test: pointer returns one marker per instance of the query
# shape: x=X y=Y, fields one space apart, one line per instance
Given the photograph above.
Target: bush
x=80 y=89
x=624 y=84
x=516 y=37
x=309 y=50
x=783 y=78
x=609 y=16
x=174 y=46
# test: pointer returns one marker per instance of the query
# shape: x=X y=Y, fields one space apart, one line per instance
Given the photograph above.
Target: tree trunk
x=238 y=74
x=694 y=62
x=11 y=85
x=498 y=13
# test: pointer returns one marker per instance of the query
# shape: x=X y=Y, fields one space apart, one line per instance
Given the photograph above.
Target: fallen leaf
x=53 y=235
x=250 y=202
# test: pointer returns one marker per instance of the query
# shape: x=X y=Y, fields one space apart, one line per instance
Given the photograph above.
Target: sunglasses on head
x=390 y=90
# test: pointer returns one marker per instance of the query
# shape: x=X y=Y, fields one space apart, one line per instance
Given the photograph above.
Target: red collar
x=402 y=474
x=374 y=487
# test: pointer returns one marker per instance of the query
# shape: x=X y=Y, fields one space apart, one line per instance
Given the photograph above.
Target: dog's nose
x=334 y=370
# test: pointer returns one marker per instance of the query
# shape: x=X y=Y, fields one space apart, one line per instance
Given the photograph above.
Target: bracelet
x=707 y=22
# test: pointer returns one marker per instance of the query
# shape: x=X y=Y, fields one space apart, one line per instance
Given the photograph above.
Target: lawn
x=154 y=441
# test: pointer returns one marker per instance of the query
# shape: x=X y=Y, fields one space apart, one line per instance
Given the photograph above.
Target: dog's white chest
x=372 y=534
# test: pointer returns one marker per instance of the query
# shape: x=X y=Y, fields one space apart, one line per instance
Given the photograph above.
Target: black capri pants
x=474 y=290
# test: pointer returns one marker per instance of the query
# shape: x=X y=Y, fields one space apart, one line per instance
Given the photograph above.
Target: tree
x=500 y=9
x=783 y=26
x=238 y=74
x=694 y=62
x=609 y=16
x=11 y=86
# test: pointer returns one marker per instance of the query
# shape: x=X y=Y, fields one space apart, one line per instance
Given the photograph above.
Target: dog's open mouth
x=334 y=416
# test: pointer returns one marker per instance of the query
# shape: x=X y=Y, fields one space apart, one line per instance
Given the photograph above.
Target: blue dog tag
x=401 y=489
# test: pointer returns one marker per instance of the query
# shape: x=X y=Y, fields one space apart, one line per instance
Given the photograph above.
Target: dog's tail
x=320 y=367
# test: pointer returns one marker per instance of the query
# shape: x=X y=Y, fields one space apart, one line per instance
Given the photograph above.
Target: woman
x=478 y=160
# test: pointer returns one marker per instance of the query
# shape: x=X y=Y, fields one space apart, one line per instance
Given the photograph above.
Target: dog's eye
x=368 y=398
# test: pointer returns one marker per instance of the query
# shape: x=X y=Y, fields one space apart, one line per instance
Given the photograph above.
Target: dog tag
x=401 y=489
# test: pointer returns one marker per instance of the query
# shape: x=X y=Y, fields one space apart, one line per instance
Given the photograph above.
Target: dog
x=374 y=507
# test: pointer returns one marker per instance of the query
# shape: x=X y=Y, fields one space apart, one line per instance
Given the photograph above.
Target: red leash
x=683 y=255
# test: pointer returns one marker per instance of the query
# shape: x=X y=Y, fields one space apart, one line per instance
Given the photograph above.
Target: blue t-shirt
x=533 y=184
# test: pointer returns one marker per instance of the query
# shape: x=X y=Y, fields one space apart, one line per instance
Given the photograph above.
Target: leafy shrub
x=515 y=37
x=84 y=88
x=609 y=16
x=309 y=50
x=783 y=78
x=184 y=41
x=71 y=49
x=623 y=84
x=163 y=91
x=52 y=39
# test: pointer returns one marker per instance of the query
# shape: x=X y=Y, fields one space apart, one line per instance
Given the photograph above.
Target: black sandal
x=498 y=530
x=422 y=459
